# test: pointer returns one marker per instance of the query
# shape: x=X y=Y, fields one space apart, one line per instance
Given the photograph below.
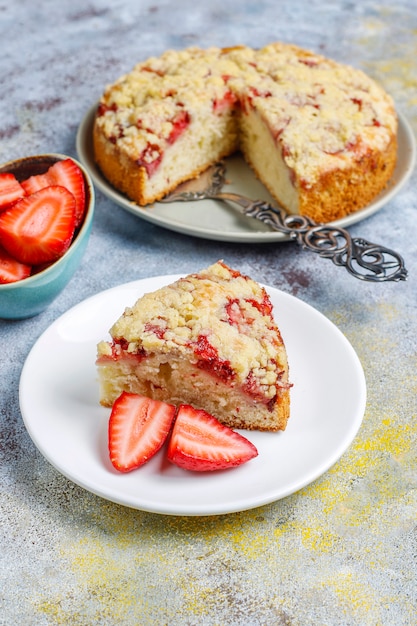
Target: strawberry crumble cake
x=209 y=340
x=320 y=135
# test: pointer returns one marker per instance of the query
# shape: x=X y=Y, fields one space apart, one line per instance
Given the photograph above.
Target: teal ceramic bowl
x=32 y=295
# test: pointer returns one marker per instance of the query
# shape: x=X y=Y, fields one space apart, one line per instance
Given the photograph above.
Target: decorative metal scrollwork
x=363 y=259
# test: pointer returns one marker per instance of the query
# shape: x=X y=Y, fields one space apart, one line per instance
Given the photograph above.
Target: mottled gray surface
x=341 y=551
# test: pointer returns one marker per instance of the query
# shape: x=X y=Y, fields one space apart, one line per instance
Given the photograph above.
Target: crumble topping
x=218 y=319
x=322 y=114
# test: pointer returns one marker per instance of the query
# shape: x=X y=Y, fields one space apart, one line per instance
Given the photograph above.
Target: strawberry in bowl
x=46 y=212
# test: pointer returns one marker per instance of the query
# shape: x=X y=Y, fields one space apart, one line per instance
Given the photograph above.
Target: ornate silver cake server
x=363 y=259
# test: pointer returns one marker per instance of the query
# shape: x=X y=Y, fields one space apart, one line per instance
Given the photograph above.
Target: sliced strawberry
x=10 y=190
x=35 y=183
x=11 y=270
x=138 y=427
x=210 y=361
x=65 y=173
x=200 y=443
x=39 y=228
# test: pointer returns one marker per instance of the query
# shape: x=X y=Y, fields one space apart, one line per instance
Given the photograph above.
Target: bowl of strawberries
x=46 y=213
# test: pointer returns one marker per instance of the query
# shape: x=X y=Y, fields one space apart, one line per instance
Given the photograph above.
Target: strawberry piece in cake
x=209 y=340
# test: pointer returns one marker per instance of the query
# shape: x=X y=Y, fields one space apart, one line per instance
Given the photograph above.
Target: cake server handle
x=363 y=259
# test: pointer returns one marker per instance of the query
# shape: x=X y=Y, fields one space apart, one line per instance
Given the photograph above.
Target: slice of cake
x=320 y=135
x=209 y=340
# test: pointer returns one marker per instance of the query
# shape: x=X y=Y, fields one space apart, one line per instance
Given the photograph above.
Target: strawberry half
x=138 y=427
x=65 y=173
x=11 y=270
x=200 y=443
x=35 y=183
x=10 y=190
x=39 y=228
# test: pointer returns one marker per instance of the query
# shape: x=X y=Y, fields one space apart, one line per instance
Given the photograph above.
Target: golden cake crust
x=348 y=193
x=330 y=129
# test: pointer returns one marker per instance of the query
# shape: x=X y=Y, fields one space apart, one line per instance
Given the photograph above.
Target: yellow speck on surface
x=354 y=597
x=197 y=570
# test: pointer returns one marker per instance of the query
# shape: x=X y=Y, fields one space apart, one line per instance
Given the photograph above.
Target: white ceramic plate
x=211 y=219
x=60 y=408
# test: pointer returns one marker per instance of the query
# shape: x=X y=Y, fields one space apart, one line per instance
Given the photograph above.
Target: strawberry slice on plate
x=12 y=270
x=65 y=173
x=200 y=443
x=138 y=427
x=39 y=228
x=10 y=190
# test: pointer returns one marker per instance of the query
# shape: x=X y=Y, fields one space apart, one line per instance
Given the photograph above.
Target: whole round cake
x=320 y=135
